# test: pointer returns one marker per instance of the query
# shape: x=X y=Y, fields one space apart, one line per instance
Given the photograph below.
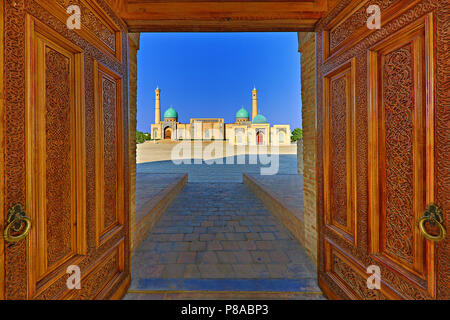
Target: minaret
x=157 y=106
x=254 y=103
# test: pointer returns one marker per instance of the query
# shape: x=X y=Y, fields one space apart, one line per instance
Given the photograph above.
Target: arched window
x=281 y=137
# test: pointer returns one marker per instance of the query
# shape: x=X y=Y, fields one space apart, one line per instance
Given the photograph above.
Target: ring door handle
x=18 y=224
x=433 y=215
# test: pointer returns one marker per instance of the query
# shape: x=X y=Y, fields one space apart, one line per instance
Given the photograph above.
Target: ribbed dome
x=171 y=113
x=242 y=114
x=259 y=118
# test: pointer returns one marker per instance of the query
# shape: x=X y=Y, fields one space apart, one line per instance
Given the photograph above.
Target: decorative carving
x=59 y=156
x=338 y=127
x=398 y=91
x=355 y=21
x=442 y=141
x=102 y=274
x=441 y=11
x=14 y=135
x=110 y=151
x=354 y=280
x=14 y=139
x=90 y=21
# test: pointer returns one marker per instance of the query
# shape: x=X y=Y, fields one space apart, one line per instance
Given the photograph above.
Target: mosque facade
x=244 y=131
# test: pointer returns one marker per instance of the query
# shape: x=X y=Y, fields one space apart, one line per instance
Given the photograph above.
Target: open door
x=383 y=155
x=64 y=129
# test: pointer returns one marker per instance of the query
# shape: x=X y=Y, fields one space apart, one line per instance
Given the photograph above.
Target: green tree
x=296 y=134
x=142 y=136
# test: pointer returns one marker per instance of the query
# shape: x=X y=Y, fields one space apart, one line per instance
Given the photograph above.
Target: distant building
x=242 y=132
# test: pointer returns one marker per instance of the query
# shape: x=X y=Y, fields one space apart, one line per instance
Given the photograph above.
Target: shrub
x=296 y=134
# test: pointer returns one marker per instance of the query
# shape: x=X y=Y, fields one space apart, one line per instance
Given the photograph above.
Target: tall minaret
x=254 y=103
x=157 y=106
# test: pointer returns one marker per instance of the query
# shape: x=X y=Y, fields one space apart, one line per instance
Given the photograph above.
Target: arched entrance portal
x=259 y=137
x=168 y=133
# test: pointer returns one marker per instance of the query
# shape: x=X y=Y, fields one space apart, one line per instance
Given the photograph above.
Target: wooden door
x=383 y=111
x=167 y=133
x=64 y=127
x=259 y=137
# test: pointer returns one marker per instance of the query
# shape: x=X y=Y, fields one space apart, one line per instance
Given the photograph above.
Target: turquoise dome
x=171 y=113
x=259 y=118
x=242 y=113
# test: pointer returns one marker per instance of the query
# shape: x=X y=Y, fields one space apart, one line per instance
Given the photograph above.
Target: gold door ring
x=433 y=214
x=18 y=222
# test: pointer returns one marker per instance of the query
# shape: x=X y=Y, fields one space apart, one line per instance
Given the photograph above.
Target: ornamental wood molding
x=220 y=16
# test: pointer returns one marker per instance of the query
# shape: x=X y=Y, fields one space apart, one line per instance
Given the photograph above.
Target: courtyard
x=217 y=236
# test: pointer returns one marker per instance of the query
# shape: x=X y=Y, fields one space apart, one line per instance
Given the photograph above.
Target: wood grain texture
x=2 y=154
x=434 y=284
x=19 y=272
x=400 y=160
x=339 y=150
x=226 y=16
x=109 y=152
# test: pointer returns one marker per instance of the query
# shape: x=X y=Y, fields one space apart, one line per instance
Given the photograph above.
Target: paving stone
x=206 y=237
x=191 y=272
x=214 y=245
x=279 y=256
x=226 y=257
x=260 y=257
x=243 y=256
x=186 y=257
x=176 y=237
x=252 y=236
x=191 y=236
x=247 y=245
x=173 y=271
x=148 y=271
x=235 y=236
x=197 y=246
x=267 y=236
x=207 y=257
x=230 y=245
x=243 y=270
x=220 y=236
x=264 y=245
x=227 y=235
x=277 y=270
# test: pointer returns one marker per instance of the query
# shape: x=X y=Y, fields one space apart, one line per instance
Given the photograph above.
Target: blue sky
x=211 y=75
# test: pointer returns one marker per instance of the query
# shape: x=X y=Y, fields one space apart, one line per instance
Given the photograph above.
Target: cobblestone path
x=220 y=237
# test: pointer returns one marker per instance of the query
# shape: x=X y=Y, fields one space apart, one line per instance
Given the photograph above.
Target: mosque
x=244 y=131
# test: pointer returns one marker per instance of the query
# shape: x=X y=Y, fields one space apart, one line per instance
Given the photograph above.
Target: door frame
x=2 y=156
x=395 y=19
x=115 y=287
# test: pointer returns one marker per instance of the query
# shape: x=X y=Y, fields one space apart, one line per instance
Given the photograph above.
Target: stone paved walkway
x=217 y=172
x=288 y=188
x=219 y=236
x=149 y=185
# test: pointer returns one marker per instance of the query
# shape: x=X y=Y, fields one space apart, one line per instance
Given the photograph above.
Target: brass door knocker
x=433 y=215
x=18 y=224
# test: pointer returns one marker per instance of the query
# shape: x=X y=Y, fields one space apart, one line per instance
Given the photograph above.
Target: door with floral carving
x=63 y=172
x=383 y=157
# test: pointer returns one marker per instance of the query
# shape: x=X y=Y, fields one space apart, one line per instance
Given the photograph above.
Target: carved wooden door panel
x=64 y=123
x=383 y=110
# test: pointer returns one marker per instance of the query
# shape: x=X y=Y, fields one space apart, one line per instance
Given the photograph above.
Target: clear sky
x=211 y=75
